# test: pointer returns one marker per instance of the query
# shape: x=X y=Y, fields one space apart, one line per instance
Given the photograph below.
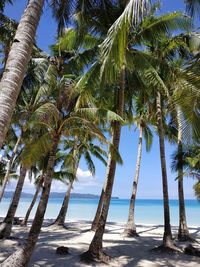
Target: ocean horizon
x=148 y=211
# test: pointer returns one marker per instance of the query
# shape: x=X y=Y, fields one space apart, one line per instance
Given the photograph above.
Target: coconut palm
x=10 y=166
x=58 y=117
x=141 y=119
x=17 y=62
x=24 y=108
x=20 y=54
x=117 y=41
x=39 y=183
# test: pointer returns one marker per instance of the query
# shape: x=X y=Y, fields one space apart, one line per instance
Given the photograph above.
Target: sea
x=148 y=211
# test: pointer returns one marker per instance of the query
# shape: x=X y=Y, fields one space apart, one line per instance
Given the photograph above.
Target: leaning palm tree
x=58 y=118
x=10 y=165
x=17 y=62
x=23 y=110
x=20 y=53
x=6 y=225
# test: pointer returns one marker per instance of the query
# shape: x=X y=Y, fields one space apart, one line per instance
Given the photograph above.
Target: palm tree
x=38 y=188
x=17 y=62
x=23 y=110
x=183 y=232
x=21 y=49
x=141 y=119
x=58 y=117
x=9 y=166
x=117 y=40
x=6 y=225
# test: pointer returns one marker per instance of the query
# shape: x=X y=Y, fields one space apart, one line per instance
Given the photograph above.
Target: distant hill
x=9 y=194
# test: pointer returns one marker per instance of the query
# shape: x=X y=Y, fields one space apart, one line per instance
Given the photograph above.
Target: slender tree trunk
x=25 y=220
x=95 y=248
x=98 y=211
x=63 y=211
x=9 y=167
x=21 y=257
x=130 y=229
x=6 y=225
x=17 y=62
x=183 y=233
x=60 y=220
x=167 y=238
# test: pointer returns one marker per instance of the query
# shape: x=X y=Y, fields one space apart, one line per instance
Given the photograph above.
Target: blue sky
x=150 y=185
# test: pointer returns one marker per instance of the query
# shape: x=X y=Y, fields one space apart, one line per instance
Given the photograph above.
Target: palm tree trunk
x=6 y=225
x=130 y=229
x=183 y=232
x=95 y=248
x=21 y=257
x=9 y=167
x=167 y=238
x=60 y=220
x=25 y=220
x=98 y=211
x=17 y=62
x=63 y=211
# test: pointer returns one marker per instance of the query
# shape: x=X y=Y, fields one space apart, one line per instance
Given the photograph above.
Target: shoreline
x=126 y=252
x=122 y=223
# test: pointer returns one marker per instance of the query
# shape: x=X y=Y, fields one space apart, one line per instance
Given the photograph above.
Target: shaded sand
x=125 y=251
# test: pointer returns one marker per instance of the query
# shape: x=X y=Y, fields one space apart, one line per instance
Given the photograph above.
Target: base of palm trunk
x=130 y=233
x=5 y=230
x=23 y=224
x=183 y=235
x=58 y=224
x=100 y=256
x=185 y=238
x=170 y=249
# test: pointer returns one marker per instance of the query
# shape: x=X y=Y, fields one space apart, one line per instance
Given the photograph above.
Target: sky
x=150 y=184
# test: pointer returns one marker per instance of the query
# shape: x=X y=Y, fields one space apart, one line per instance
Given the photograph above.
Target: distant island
x=9 y=194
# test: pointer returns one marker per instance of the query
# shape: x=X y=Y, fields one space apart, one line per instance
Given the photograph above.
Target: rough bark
x=167 y=238
x=98 y=211
x=183 y=232
x=21 y=257
x=60 y=220
x=6 y=225
x=130 y=229
x=38 y=188
x=95 y=248
x=17 y=62
x=9 y=167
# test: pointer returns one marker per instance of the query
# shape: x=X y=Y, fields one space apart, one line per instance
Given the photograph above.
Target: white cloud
x=86 y=182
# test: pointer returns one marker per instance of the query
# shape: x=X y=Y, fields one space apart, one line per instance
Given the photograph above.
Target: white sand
x=127 y=252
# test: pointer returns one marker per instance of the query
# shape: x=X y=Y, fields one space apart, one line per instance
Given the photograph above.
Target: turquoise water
x=147 y=211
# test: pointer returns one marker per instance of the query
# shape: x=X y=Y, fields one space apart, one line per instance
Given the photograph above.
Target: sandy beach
x=125 y=251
